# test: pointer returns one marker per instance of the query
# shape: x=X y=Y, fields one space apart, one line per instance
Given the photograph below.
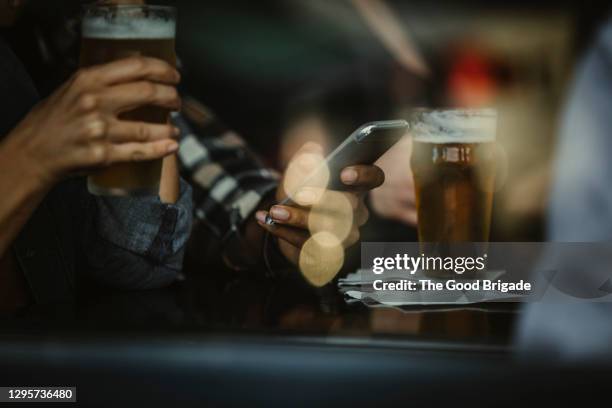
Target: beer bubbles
x=128 y=23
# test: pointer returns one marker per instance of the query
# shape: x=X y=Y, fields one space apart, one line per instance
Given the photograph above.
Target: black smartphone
x=364 y=146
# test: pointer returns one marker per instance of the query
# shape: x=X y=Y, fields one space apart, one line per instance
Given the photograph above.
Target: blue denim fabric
x=138 y=243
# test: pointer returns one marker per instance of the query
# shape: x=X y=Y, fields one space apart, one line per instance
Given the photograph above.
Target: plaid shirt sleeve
x=228 y=181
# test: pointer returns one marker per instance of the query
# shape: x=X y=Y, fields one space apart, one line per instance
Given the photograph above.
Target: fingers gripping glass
x=114 y=32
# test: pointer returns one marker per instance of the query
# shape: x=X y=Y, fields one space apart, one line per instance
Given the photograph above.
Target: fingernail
x=261 y=216
x=172 y=147
x=305 y=197
x=349 y=176
x=279 y=213
x=176 y=131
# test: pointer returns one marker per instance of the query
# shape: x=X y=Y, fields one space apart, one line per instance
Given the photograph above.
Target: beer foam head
x=125 y=22
x=454 y=125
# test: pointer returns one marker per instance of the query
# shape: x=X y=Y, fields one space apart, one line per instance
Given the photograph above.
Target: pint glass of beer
x=113 y=32
x=453 y=163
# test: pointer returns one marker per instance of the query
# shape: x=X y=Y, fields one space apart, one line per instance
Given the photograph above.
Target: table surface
x=216 y=301
x=220 y=339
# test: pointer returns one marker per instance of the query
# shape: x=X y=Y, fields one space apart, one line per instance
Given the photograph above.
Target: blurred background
x=286 y=71
x=283 y=72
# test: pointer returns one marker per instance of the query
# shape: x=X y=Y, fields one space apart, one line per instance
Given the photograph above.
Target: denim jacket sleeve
x=139 y=242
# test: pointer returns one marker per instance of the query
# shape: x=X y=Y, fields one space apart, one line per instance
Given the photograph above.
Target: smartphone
x=364 y=146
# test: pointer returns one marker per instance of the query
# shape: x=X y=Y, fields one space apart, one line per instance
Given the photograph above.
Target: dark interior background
x=260 y=66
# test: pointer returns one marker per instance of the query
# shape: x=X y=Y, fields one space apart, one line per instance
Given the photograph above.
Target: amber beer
x=114 y=32
x=453 y=164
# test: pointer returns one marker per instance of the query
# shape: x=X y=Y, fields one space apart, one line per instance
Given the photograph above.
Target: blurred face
x=9 y=10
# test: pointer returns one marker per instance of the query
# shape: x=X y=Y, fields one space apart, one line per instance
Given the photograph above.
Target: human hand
x=337 y=214
x=77 y=128
x=396 y=199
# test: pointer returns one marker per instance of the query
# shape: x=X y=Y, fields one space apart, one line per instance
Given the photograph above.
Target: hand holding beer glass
x=83 y=126
x=453 y=163
x=116 y=32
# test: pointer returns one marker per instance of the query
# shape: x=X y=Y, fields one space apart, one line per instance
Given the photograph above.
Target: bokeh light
x=306 y=170
x=332 y=214
x=321 y=258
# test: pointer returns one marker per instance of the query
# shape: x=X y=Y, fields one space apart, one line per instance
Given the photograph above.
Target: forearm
x=118 y=267
x=230 y=184
x=21 y=191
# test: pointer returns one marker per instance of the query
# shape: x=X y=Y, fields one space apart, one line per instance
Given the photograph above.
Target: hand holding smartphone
x=364 y=146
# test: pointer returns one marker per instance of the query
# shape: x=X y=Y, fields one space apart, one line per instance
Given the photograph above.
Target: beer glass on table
x=453 y=164
x=113 y=32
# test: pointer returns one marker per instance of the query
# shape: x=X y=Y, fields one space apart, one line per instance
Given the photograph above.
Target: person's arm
x=580 y=204
x=21 y=191
x=396 y=198
x=231 y=186
x=138 y=242
x=580 y=210
x=77 y=129
x=337 y=213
